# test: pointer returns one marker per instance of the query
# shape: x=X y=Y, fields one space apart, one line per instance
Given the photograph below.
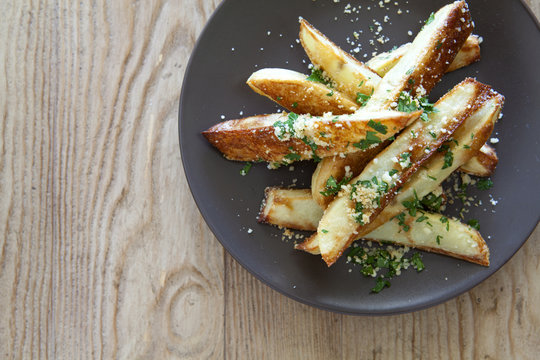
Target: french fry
x=428 y=58
x=290 y=208
x=483 y=164
x=296 y=209
x=467 y=140
x=289 y=137
x=468 y=54
x=351 y=212
x=294 y=92
x=349 y=75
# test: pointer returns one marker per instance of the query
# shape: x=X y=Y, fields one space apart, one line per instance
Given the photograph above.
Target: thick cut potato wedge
x=467 y=141
x=290 y=208
x=295 y=209
x=285 y=138
x=349 y=75
x=428 y=57
x=349 y=214
x=294 y=92
x=468 y=54
x=483 y=164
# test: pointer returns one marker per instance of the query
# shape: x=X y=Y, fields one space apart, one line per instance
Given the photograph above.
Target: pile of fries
x=382 y=149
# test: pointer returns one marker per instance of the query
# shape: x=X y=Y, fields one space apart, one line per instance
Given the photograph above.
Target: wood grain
x=104 y=254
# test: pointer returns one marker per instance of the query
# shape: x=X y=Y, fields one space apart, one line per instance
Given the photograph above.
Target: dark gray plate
x=214 y=85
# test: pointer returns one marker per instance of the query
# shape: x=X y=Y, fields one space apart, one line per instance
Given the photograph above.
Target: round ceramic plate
x=246 y=35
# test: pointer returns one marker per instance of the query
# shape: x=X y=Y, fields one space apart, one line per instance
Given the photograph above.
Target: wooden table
x=104 y=253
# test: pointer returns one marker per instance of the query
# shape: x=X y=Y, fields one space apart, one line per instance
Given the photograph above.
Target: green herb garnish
x=377 y=126
x=246 y=169
x=430 y=19
x=317 y=76
x=332 y=186
x=371 y=138
x=474 y=224
x=381 y=284
x=484 y=184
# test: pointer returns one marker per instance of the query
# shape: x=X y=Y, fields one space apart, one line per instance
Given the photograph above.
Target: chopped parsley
x=392 y=172
x=371 y=138
x=279 y=98
x=313 y=147
x=332 y=186
x=246 y=169
x=381 y=284
x=362 y=99
x=294 y=104
x=416 y=261
x=324 y=231
x=292 y=156
x=406 y=102
x=317 y=76
x=427 y=107
x=430 y=19
x=448 y=159
x=358 y=213
x=438 y=239
x=286 y=127
x=474 y=224
x=373 y=260
x=432 y=202
x=484 y=184
x=412 y=205
x=377 y=126
x=330 y=93
x=401 y=221
x=448 y=156
x=444 y=220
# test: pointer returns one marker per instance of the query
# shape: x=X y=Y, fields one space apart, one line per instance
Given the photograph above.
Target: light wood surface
x=104 y=254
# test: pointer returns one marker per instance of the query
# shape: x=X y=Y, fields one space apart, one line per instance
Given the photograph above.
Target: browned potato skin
x=483 y=164
x=251 y=144
x=254 y=139
x=308 y=96
x=469 y=53
x=367 y=80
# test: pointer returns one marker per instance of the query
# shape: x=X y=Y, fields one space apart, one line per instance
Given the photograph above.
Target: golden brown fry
x=349 y=75
x=291 y=90
x=468 y=54
x=256 y=138
x=483 y=164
